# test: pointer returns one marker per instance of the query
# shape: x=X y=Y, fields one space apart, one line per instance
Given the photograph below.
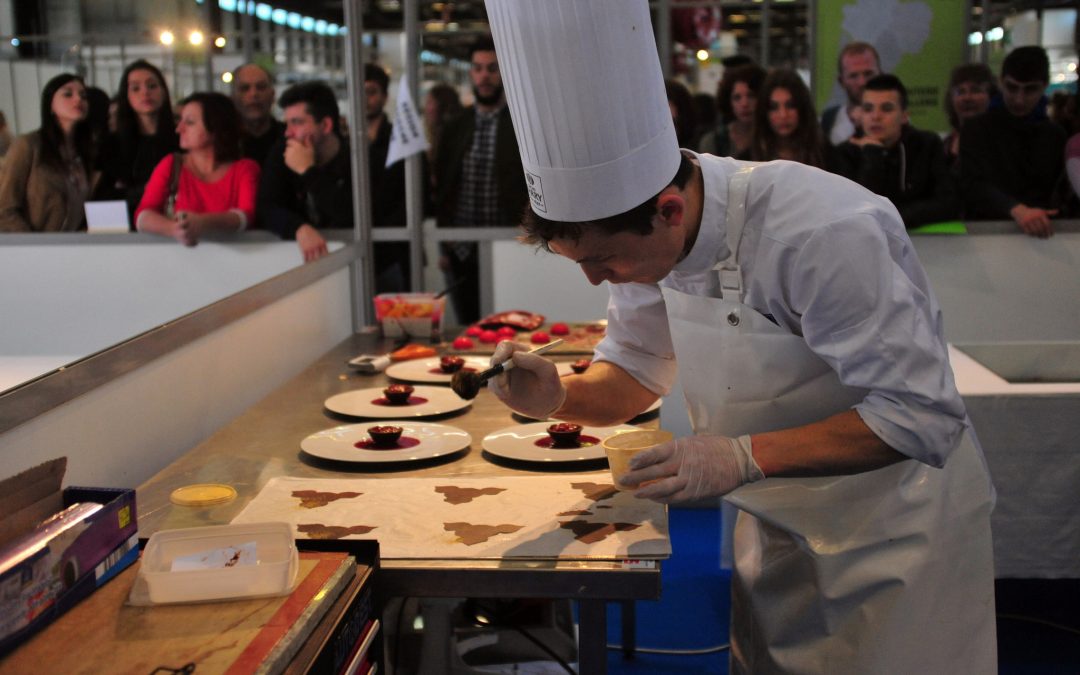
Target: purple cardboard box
x=57 y=546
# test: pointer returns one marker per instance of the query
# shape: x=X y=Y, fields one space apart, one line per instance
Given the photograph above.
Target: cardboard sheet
x=576 y=516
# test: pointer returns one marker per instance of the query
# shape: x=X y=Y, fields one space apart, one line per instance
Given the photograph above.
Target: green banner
x=919 y=41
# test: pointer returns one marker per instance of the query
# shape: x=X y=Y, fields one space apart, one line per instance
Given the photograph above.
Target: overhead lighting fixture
x=226 y=77
x=195 y=37
x=702 y=55
x=220 y=42
x=166 y=37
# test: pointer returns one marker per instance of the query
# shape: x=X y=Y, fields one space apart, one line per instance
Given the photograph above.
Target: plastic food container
x=273 y=573
x=413 y=314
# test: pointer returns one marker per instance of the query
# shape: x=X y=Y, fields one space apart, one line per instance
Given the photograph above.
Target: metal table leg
x=592 y=643
x=629 y=628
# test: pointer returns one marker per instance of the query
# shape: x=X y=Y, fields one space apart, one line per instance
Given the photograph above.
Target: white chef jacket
x=828 y=260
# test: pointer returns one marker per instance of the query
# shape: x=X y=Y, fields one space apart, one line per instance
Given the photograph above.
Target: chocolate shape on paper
x=590 y=533
x=596 y=491
x=320 y=531
x=463 y=495
x=313 y=499
x=470 y=534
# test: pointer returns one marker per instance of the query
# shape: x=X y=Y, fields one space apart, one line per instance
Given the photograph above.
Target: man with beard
x=253 y=92
x=479 y=180
x=387 y=185
x=306 y=183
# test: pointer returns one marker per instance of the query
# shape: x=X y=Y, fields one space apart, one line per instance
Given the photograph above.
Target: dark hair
x=127 y=122
x=686 y=115
x=705 y=106
x=318 y=98
x=448 y=105
x=447 y=100
x=374 y=73
x=973 y=73
x=737 y=61
x=852 y=48
x=888 y=82
x=484 y=43
x=222 y=121
x=98 y=112
x=52 y=136
x=1027 y=64
x=751 y=74
x=638 y=220
x=808 y=139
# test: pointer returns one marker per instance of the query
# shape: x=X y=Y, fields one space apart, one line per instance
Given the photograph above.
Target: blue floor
x=1038 y=620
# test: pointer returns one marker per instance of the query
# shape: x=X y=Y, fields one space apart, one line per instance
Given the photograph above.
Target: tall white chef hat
x=583 y=81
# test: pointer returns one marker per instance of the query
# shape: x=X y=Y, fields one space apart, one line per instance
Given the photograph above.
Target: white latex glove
x=692 y=468
x=532 y=387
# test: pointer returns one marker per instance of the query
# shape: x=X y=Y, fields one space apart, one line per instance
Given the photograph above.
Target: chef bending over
x=791 y=306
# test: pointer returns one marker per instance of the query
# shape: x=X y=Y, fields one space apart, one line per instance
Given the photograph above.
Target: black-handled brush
x=466 y=384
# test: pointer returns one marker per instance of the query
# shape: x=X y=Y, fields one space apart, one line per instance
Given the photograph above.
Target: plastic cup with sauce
x=621 y=447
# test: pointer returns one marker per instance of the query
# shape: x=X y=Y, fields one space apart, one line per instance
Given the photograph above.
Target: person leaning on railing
x=207 y=186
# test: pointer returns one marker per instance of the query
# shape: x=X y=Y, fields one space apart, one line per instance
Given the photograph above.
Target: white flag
x=407 y=137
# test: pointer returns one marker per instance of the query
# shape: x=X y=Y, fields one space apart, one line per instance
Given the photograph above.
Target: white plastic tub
x=274 y=572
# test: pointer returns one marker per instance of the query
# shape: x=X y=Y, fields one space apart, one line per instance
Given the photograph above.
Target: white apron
x=889 y=571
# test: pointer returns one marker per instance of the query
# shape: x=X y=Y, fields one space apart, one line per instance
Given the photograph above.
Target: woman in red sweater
x=215 y=189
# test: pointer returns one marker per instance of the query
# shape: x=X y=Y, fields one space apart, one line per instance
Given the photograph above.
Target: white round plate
x=519 y=442
x=339 y=443
x=427 y=370
x=359 y=403
x=646 y=411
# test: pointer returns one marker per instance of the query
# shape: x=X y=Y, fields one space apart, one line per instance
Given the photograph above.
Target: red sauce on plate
x=413 y=400
x=401 y=444
x=584 y=441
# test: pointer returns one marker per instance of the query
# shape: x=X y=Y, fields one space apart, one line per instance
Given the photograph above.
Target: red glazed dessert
x=451 y=364
x=474 y=331
x=463 y=343
x=506 y=332
x=540 y=338
x=560 y=329
x=398 y=394
x=384 y=436
x=580 y=366
x=489 y=337
x=564 y=434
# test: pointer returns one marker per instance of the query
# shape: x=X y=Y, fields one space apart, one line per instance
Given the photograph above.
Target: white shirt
x=830 y=261
x=843 y=128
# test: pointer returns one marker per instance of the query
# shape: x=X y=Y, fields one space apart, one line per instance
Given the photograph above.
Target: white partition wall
x=62 y=302
x=1005 y=288
x=230 y=346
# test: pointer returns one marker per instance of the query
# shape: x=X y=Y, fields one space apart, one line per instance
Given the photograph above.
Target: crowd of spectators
x=221 y=163
x=1008 y=155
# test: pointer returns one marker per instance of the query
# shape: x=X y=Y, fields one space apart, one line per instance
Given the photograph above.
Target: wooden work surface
x=219 y=637
x=264 y=443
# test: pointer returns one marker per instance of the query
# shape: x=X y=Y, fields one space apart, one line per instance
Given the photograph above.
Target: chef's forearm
x=839 y=445
x=604 y=395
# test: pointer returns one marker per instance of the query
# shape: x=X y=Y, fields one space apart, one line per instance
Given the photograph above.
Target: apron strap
x=731 y=287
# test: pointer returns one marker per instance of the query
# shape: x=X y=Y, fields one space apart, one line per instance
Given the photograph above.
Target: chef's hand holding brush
x=532 y=387
x=694 y=467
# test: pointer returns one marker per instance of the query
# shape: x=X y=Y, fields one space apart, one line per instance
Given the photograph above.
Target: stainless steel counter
x=264 y=443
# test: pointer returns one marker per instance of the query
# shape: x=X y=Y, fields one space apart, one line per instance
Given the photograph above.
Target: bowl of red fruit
x=451 y=364
x=385 y=435
x=398 y=394
x=564 y=434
